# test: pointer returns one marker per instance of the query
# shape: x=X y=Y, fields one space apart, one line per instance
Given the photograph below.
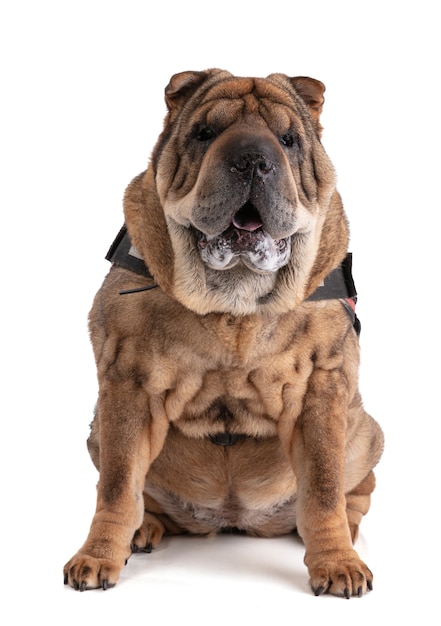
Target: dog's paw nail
x=148 y=548
x=318 y=591
x=346 y=593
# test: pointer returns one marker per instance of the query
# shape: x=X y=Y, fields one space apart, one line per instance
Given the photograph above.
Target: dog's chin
x=255 y=249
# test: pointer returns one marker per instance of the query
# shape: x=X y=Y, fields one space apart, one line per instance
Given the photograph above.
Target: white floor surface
x=82 y=105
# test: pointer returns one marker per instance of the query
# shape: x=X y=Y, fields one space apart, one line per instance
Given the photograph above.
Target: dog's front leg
x=318 y=452
x=129 y=439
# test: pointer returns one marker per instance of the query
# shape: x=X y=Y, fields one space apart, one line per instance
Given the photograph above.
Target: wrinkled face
x=243 y=205
x=230 y=214
x=236 y=174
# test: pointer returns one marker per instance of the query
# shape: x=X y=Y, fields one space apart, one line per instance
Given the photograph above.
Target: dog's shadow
x=223 y=559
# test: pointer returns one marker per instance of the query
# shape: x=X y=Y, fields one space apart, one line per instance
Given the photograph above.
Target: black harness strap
x=337 y=284
x=226 y=439
x=122 y=253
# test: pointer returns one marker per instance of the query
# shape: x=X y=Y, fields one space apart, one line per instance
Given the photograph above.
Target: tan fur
x=236 y=350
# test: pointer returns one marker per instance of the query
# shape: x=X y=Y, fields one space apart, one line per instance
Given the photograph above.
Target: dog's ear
x=181 y=86
x=311 y=91
x=147 y=228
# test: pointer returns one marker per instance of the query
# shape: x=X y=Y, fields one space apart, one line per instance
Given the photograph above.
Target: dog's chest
x=243 y=388
x=238 y=338
x=221 y=373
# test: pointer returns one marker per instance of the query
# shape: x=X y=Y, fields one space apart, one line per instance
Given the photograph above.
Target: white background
x=81 y=106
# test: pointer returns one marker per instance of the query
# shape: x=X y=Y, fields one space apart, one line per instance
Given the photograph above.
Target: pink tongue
x=246 y=223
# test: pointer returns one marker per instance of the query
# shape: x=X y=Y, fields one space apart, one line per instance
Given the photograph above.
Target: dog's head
x=238 y=210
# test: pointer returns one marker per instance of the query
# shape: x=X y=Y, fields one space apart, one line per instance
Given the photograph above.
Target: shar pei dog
x=226 y=341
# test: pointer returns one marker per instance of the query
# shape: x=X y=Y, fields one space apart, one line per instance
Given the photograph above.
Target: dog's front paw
x=344 y=576
x=86 y=572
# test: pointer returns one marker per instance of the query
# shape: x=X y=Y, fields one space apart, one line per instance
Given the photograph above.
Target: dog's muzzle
x=256 y=248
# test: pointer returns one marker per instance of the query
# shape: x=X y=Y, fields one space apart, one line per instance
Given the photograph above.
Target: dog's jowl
x=226 y=341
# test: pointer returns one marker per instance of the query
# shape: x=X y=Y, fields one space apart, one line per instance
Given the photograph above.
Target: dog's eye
x=289 y=139
x=205 y=133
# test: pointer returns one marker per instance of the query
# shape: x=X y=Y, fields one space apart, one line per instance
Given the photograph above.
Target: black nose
x=250 y=164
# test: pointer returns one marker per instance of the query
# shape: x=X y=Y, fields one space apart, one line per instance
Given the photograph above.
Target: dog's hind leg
x=155 y=525
x=358 y=501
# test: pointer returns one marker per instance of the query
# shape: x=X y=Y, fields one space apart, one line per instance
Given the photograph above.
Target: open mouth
x=246 y=240
x=247 y=218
